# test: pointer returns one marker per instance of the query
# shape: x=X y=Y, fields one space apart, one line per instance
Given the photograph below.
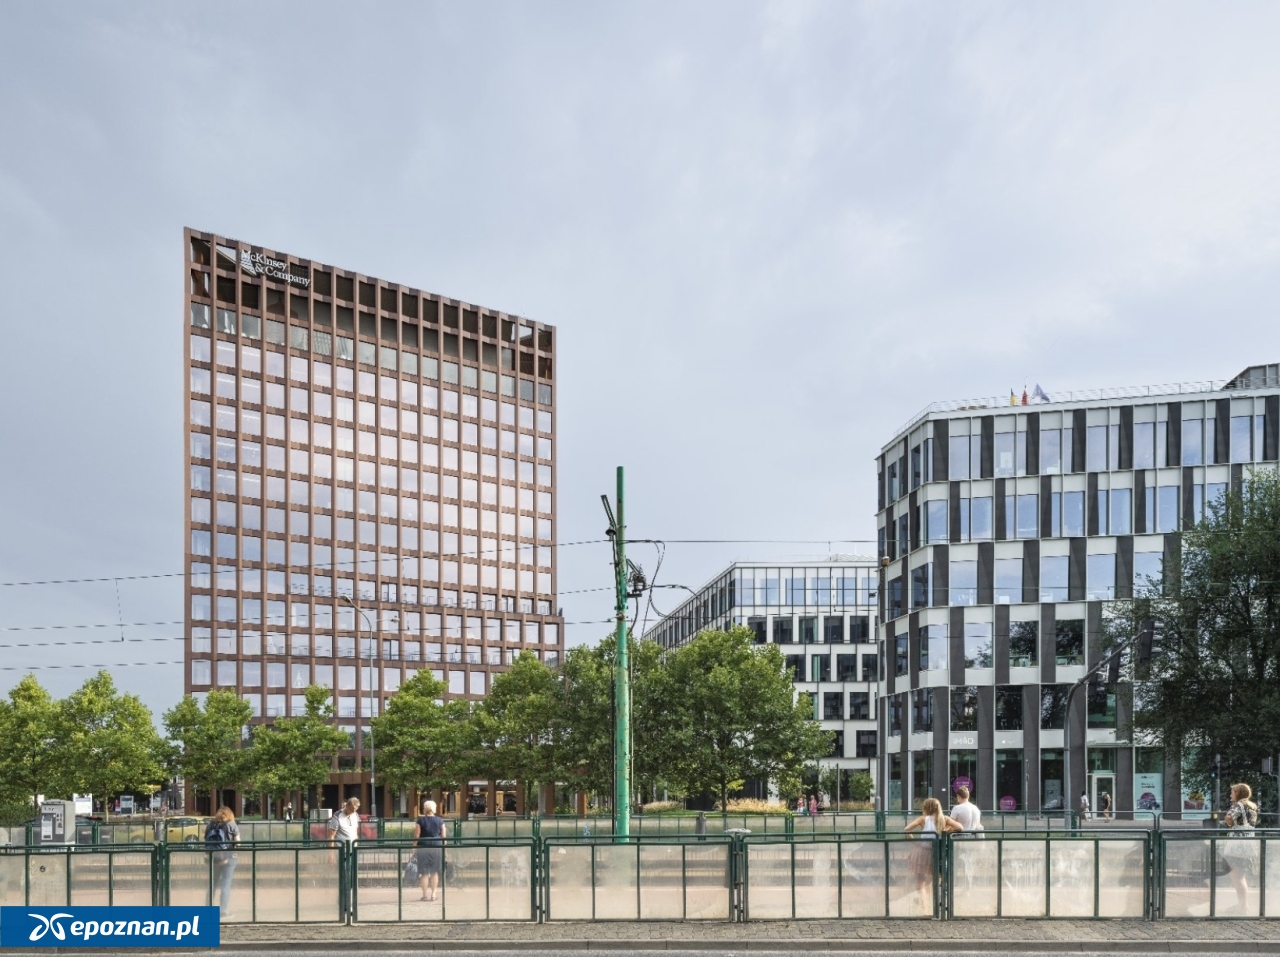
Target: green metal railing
x=1102 y=873
x=294 y=883
x=62 y=876
x=641 y=878
x=840 y=875
x=475 y=880
x=1213 y=873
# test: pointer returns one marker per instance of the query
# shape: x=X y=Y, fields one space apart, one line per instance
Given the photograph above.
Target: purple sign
x=961 y=782
x=1008 y=803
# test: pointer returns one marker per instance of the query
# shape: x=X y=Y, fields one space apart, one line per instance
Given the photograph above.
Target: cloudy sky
x=769 y=234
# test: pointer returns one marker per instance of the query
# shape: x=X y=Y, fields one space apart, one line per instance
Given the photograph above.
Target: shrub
x=663 y=807
x=754 y=806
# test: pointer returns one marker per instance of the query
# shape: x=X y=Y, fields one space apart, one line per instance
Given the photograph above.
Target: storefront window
x=921 y=778
x=1051 y=780
x=964 y=770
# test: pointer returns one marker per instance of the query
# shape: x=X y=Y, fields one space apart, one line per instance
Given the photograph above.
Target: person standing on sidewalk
x=966 y=813
x=221 y=837
x=1084 y=806
x=428 y=831
x=930 y=823
x=1240 y=851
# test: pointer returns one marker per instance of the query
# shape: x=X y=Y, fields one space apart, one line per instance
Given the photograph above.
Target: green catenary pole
x=622 y=681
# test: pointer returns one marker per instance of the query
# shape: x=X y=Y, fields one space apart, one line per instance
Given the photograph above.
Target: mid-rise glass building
x=822 y=617
x=370 y=488
x=1004 y=532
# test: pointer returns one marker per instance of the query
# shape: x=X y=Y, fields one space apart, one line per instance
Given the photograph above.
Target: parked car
x=185 y=830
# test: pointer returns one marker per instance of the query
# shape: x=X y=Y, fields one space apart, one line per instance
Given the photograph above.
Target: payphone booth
x=57 y=822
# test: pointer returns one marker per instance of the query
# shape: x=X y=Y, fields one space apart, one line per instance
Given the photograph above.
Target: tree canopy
x=1214 y=682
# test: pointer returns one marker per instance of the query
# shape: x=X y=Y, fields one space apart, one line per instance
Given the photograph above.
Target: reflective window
x=1053 y=706
x=1096 y=448
x=1167 y=508
x=1028 y=519
x=1009 y=708
x=964 y=709
x=1069 y=641
x=934 y=645
x=1121 y=511
x=1008 y=580
x=964 y=583
x=937 y=531
x=1148 y=570
x=1242 y=438
x=1050 y=451
x=977 y=644
x=1100 y=577
x=1053 y=577
x=1144 y=445
x=1004 y=447
x=1073 y=514
x=922 y=710
x=1192 y=449
x=1024 y=644
x=958 y=457
x=980 y=527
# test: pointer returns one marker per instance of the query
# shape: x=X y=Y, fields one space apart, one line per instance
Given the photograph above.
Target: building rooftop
x=1254 y=377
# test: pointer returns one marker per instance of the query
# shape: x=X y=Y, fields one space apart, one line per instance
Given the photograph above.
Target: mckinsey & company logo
x=109 y=926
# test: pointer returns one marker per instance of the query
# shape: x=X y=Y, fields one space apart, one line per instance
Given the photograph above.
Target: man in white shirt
x=345 y=825
x=965 y=813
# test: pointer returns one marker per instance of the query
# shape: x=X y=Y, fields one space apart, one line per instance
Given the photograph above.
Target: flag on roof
x=1024 y=394
x=1013 y=397
x=1040 y=395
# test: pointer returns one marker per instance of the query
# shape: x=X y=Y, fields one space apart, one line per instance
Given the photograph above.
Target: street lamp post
x=373 y=755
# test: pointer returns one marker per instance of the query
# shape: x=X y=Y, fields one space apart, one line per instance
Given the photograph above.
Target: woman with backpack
x=220 y=837
x=429 y=832
x=1240 y=850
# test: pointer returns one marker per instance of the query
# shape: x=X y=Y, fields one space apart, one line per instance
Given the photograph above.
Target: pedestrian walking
x=965 y=813
x=930 y=823
x=801 y=807
x=428 y=830
x=813 y=805
x=1084 y=806
x=1240 y=851
x=221 y=835
x=288 y=811
x=1104 y=805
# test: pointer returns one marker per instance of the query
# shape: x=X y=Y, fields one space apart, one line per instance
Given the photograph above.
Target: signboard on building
x=1148 y=791
x=84 y=804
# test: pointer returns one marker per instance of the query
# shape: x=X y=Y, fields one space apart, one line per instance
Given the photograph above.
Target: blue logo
x=109 y=927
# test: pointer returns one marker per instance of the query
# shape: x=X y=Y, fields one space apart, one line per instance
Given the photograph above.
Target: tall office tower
x=822 y=617
x=1006 y=532
x=369 y=488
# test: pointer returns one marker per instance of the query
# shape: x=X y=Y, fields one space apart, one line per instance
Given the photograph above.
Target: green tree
x=208 y=741
x=518 y=724
x=423 y=744
x=32 y=759
x=1214 y=682
x=296 y=754
x=733 y=714
x=861 y=786
x=111 y=743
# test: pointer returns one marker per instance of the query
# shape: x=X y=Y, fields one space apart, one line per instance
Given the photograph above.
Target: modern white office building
x=1005 y=534
x=822 y=617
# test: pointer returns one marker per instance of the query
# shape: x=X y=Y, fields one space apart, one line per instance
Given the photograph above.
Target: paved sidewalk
x=1236 y=936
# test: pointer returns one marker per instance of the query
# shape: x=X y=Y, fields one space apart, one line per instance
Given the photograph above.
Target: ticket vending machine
x=57 y=822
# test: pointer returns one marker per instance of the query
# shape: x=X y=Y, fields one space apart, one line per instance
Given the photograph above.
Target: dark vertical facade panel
x=1093 y=633
x=940 y=772
x=987 y=451
x=1092 y=519
x=880 y=484
x=1140 y=493
x=1031 y=744
x=913 y=519
x=1173 y=437
x=1237 y=478
x=1123 y=798
x=1033 y=443
x=941 y=576
x=986 y=573
x=953 y=512
x=1046 y=505
x=1126 y=436
x=1031 y=570
x=955 y=639
x=941 y=449
x=999 y=505
x=1124 y=566
x=1188 y=498
x=1000 y=644
x=1271 y=428
x=986 y=748
x=913 y=648
x=1048 y=647
x=1079 y=422
x=890 y=675
x=1076 y=570
x=890 y=533
x=1222 y=432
